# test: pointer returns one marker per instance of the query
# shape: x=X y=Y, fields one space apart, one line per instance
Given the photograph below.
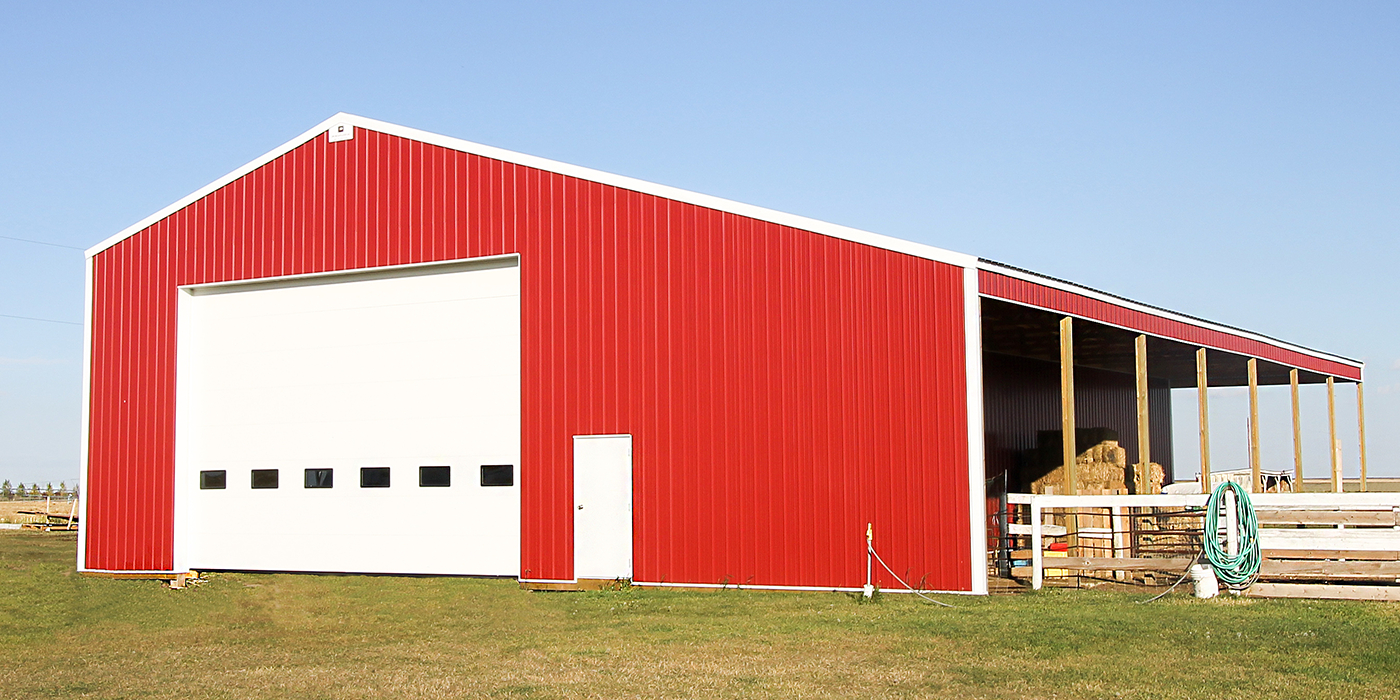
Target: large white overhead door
x=315 y=417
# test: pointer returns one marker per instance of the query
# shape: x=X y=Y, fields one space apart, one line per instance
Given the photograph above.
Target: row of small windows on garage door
x=370 y=477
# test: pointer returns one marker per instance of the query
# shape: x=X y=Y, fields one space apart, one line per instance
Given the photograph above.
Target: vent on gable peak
x=340 y=132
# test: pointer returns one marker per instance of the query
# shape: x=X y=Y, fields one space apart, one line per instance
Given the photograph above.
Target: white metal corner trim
x=719 y=204
x=976 y=459
x=86 y=419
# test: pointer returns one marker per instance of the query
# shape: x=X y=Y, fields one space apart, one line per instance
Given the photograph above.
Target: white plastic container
x=1204 y=577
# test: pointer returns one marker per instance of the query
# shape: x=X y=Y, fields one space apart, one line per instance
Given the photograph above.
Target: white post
x=1115 y=524
x=1037 y=541
x=869 y=590
x=1232 y=535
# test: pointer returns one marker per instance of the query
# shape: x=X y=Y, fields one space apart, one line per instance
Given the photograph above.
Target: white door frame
x=602 y=533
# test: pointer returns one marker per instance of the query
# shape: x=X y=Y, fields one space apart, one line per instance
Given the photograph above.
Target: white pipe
x=869 y=590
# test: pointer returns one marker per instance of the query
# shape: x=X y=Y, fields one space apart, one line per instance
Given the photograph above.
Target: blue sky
x=1239 y=161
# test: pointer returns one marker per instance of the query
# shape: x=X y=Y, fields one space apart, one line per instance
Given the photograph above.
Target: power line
x=45 y=320
x=56 y=245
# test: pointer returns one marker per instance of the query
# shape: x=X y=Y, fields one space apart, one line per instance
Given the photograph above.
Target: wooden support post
x=1067 y=428
x=1204 y=419
x=1333 y=447
x=1143 y=478
x=1067 y=403
x=1297 y=433
x=1253 y=366
x=1361 y=431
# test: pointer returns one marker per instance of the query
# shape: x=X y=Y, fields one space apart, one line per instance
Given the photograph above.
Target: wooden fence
x=1315 y=545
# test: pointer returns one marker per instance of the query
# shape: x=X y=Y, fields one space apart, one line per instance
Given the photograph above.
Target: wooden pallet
x=1337 y=516
x=1324 y=591
x=583 y=584
x=174 y=580
x=1177 y=565
x=1329 y=569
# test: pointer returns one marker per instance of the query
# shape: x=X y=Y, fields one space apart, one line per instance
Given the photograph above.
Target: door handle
x=580 y=506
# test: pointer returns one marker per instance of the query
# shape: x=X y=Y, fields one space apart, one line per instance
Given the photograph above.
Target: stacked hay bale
x=1100 y=468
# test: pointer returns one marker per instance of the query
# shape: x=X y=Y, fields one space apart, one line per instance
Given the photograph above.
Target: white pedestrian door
x=602 y=506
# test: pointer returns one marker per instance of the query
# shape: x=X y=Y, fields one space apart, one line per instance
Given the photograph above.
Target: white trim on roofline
x=208 y=189
x=1062 y=285
x=719 y=204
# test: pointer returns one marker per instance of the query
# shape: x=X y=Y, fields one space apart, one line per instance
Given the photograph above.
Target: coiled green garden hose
x=1240 y=570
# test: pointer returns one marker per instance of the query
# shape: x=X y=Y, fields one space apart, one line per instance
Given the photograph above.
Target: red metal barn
x=376 y=349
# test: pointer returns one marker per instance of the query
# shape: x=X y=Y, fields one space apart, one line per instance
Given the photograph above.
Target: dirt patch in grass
x=274 y=635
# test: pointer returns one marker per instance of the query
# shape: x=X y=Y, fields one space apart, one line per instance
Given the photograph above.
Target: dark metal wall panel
x=1022 y=291
x=783 y=388
x=1021 y=397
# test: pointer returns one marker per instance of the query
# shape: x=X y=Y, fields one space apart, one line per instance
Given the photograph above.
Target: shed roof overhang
x=1021 y=311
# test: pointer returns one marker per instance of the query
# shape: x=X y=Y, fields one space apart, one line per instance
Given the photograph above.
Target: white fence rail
x=1337 y=538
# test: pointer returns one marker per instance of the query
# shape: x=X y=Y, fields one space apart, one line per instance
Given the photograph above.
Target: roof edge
x=854 y=235
x=1076 y=288
x=210 y=188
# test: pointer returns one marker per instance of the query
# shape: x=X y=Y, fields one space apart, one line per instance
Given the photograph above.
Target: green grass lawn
x=256 y=635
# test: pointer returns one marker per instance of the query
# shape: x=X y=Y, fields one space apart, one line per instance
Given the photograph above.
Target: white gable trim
x=791 y=220
x=716 y=203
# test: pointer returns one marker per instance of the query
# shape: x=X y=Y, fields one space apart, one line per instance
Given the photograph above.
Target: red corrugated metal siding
x=783 y=388
x=1018 y=290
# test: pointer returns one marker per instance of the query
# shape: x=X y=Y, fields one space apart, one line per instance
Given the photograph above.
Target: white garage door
x=365 y=422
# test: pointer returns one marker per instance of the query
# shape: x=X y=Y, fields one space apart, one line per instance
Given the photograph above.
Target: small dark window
x=214 y=479
x=498 y=475
x=264 y=478
x=320 y=478
x=435 y=476
x=374 y=477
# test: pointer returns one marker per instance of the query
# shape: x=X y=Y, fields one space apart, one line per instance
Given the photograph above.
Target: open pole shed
x=376 y=349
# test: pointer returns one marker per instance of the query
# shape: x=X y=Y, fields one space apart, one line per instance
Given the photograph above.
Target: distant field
x=9 y=510
x=286 y=636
